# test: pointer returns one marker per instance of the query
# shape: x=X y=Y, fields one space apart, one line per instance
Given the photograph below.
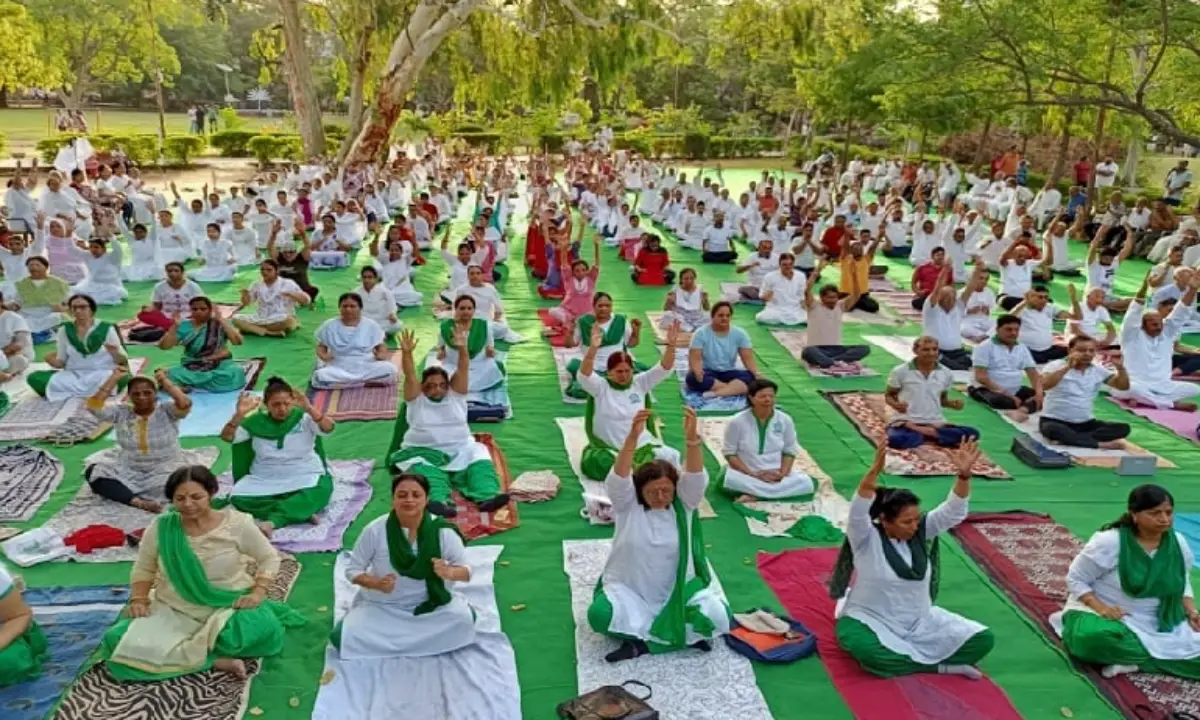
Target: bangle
x=694 y=443
x=133 y=600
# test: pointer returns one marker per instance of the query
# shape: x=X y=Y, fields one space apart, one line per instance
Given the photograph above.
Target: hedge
x=3 y=144
x=232 y=143
x=140 y=148
x=270 y=147
x=479 y=140
x=182 y=148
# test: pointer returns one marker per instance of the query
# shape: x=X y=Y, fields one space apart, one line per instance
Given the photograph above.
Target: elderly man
x=62 y=203
x=1148 y=345
x=942 y=319
x=1037 y=315
x=1000 y=364
x=760 y=264
x=917 y=391
x=1046 y=204
x=1068 y=415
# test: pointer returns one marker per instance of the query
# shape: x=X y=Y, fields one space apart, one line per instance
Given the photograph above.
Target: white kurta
x=484 y=371
x=379 y=304
x=641 y=569
x=84 y=374
x=442 y=425
x=353 y=349
x=245 y=244
x=762 y=447
x=145 y=263
x=786 y=306
x=689 y=310
x=1148 y=359
x=383 y=624
x=271 y=306
x=899 y=611
x=279 y=470
x=219 y=263
x=103 y=281
x=174 y=244
x=614 y=409
x=397 y=276
x=1095 y=570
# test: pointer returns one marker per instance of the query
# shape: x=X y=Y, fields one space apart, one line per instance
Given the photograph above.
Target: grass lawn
x=25 y=126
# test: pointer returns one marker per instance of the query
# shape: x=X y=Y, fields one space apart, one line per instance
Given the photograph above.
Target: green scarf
x=671 y=624
x=1162 y=576
x=419 y=565
x=94 y=341
x=476 y=338
x=615 y=335
x=644 y=453
x=262 y=425
x=52 y=291
x=926 y=557
x=187 y=576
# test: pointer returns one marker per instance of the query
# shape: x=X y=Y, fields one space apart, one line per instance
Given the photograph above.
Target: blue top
x=720 y=351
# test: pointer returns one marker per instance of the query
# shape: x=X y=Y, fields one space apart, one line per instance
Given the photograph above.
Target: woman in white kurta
x=486 y=371
x=378 y=302
x=351 y=349
x=761 y=447
x=174 y=242
x=658 y=539
x=103 y=281
x=614 y=398
x=687 y=304
x=783 y=292
x=144 y=263
x=275 y=300
x=406 y=564
x=395 y=269
x=244 y=240
x=1130 y=605
x=86 y=353
x=217 y=253
x=887 y=620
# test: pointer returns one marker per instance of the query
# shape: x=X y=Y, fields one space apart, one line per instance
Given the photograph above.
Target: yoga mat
x=224 y=310
x=717 y=685
x=27 y=478
x=795 y=342
x=782 y=515
x=901 y=348
x=869 y=414
x=207 y=695
x=364 y=402
x=470 y=519
x=351 y=491
x=74 y=620
x=210 y=411
x=701 y=404
x=562 y=356
x=1027 y=555
x=899 y=302
x=1189 y=525
x=799 y=578
x=473 y=683
x=1090 y=457
x=62 y=423
x=729 y=293
x=597 y=508
x=552 y=332
x=660 y=334
x=88 y=508
x=1182 y=423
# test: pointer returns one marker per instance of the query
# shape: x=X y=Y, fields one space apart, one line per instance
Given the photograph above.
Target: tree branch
x=1164 y=19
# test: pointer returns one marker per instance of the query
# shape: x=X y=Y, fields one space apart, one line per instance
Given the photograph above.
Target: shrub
x=229 y=119
x=695 y=145
x=335 y=131
x=232 y=143
x=266 y=148
x=48 y=148
x=666 y=145
x=3 y=144
x=482 y=140
x=182 y=148
x=639 y=141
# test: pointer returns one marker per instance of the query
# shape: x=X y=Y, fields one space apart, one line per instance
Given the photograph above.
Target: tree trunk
x=1064 y=147
x=1101 y=117
x=358 y=90
x=1133 y=152
x=3 y=96
x=300 y=80
x=921 y=147
x=983 y=139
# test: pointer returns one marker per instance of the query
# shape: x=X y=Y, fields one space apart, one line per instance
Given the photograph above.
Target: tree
x=22 y=65
x=300 y=79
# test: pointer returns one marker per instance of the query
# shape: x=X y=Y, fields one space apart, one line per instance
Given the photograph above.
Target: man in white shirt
x=917 y=391
x=1087 y=318
x=1068 y=415
x=1179 y=179
x=1106 y=174
x=757 y=267
x=942 y=317
x=824 y=348
x=16 y=343
x=1000 y=363
x=1046 y=204
x=1016 y=276
x=1037 y=315
x=716 y=243
x=949 y=178
x=1148 y=346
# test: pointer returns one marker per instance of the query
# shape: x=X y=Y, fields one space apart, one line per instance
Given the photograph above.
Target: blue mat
x=701 y=404
x=1188 y=524
x=72 y=636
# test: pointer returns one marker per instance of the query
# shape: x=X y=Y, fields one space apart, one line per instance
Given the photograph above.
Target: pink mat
x=799 y=579
x=1180 y=422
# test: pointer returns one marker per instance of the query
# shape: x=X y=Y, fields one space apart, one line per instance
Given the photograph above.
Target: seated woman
x=651 y=264
x=378 y=302
x=655 y=594
x=577 y=292
x=614 y=399
x=562 y=258
x=618 y=336
x=216 y=251
x=329 y=250
x=103 y=281
x=432 y=437
x=145 y=263
x=486 y=371
x=887 y=620
x=193 y=603
x=207 y=363
x=352 y=350
x=276 y=299
x=23 y=646
x=714 y=353
x=396 y=270
x=171 y=297
x=41 y=298
x=1130 y=606
x=687 y=304
x=292 y=260
x=279 y=471
x=147 y=431
x=407 y=563
x=760 y=449
x=87 y=352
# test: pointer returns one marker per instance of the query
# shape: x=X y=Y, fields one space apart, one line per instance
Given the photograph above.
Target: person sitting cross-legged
x=1070 y=386
x=760 y=448
x=1148 y=343
x=918 y=391
x=824 y=346
x=999 y=364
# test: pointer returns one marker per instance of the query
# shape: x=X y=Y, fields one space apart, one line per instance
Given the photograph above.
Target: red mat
x=475 y=524
x=1027 y=555
x=556 y=337
x=799 y=578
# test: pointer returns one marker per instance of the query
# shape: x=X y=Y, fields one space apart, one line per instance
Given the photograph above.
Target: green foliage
x=266 y=148
x=233 y=143
x=141 y=149
x=721 y=146
x=3 y=144
x=486 y=141
x=182 y=148
x=335 y=132
x=695 y=145
x=670 y=120
x=230 y=120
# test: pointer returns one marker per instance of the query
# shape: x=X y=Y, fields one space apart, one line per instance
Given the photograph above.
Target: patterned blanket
x=27 y=477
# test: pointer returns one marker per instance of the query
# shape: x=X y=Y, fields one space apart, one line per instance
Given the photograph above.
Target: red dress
x=535 y=251
x=652 y=267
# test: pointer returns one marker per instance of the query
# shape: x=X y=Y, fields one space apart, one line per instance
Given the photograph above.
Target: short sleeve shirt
x=720 y=351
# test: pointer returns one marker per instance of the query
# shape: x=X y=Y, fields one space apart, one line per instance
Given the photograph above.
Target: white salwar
x=689 y=310
x=900 y=612
x=1095 y=570
x=280 y=470
x=640 y=574
x=383 y=624
x=144 y=263
x=614 y=409
x=103 y=280
x=353 y=349
x=442 y=425
x=786 y=306
x=397 y=276
x=1149 y=358
x=379 y=304
x=83 y=374
x=271 y=306
x=484 y=371
x=219 y=263
x=762 y=447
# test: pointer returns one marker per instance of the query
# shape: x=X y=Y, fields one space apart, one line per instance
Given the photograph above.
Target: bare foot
x=1185 y=406
x=233 y=666
x=267 y=528
x=1112 y=445
x=314 y=520
x=1020 y=415
x=148 y=505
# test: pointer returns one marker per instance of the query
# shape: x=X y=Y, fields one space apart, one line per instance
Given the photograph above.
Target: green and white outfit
x=886 y=619
x=195 y=370
x=279 y=471
x=657 y=583
x=1154 y=635
x=22 y=659
x=609 y=416
x=87 y=363
x=422 y=615
x=616 y=339
x=432 y=438
x=762 y=446
x=485 y=372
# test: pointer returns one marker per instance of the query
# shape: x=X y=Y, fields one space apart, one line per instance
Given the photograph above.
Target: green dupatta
x=670 y=627
x=476 y=337
x=644 y=453
x=262 y=425
x=187 y=576
x=93 y=343
x=1162 y=576
x=926 y=558
x=614 y=335
x=419 y=565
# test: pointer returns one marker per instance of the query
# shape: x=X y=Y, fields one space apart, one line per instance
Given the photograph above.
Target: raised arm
x=412 y=383
x=183 y=403
x=460 y=381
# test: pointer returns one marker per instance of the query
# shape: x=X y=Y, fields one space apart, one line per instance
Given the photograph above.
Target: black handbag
x=610 y=702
